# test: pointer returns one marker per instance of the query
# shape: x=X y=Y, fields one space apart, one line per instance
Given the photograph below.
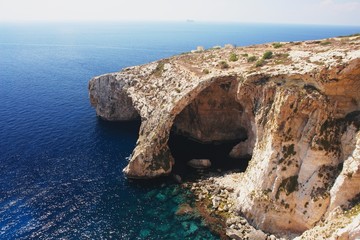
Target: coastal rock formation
x=297 y=114
x=111 y=101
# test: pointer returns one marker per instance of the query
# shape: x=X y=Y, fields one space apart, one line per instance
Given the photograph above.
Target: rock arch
x=154 y=158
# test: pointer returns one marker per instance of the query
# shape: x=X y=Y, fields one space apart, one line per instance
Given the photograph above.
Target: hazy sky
x=273 y=11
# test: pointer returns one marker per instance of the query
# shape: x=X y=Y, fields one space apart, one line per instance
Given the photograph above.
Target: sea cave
x=212 y=126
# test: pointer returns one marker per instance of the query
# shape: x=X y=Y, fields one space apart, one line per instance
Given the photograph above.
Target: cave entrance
x=209 y=128
x=184 y=149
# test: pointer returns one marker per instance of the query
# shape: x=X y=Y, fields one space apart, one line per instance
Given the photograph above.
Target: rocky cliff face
x=297 y=114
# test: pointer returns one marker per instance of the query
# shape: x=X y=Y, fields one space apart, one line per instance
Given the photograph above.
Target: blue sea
x=60 y=165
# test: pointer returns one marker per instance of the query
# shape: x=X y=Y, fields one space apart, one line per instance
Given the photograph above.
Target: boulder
x=184 y=209
x=199 y=163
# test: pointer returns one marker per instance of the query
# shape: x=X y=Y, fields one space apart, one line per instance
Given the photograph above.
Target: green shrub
x=325 y=43
x=206 y=71
x=260 y=62
x=267 y=55
x=245 y=55
x=277 y=45
x=159 y=69
x=223 y=65
x=281 y=58
x=282 y=55
x=252 y=59
x=233 y=57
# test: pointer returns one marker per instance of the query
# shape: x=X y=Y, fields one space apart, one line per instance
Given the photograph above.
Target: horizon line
x=188 y=21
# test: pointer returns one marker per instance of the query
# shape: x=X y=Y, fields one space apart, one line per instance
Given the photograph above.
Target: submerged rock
x=190 y=228
x=144 y=233
x=161 y=197
x=184 y=209
x=199 y=163
x=177 y=178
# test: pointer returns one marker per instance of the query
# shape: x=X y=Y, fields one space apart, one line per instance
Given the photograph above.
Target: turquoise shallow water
x=60 y=166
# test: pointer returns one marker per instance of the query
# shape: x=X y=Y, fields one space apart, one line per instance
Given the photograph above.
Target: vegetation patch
x=353 y=208
x=314 y=42
x=223 y=65
x=319 y=192
x=289 y=185
x=267 y=55
x=281 y=58
x=251 y=59
x=233 y=57
x=260 y=62
x=206 y=71
x=159 y=69
x=324 y=43
x=277 y=45
x=289 y=151
x=330 y=135
x=328 y=175
x=353 y=211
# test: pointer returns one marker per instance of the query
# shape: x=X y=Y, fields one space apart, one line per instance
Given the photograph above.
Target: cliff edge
x=294 y=107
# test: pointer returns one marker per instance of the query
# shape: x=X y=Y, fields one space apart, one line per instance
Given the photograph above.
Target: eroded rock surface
x=297 y=114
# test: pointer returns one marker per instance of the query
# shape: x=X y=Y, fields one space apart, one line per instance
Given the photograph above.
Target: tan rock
x=298 y=114
x=199 y=163
x=184 y=209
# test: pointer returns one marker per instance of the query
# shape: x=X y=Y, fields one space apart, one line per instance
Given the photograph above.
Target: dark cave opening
x=183 y=149
x=209 y=127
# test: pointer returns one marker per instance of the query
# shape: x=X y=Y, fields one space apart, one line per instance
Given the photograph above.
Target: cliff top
x=285 y=57
x=170 y=79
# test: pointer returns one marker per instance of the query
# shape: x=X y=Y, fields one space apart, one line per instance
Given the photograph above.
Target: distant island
x=293 y=109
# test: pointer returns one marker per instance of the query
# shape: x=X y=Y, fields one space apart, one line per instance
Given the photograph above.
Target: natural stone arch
x=304 y=118
x=152 y=156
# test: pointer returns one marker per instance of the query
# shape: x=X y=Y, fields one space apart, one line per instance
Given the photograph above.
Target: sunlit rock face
x=297 y=115
x=110 y=100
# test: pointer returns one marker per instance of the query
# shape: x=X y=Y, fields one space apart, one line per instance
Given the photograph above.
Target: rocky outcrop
x=108 y=96
x=297 y=114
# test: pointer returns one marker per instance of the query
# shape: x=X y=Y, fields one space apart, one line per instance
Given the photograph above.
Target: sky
x=330 y=12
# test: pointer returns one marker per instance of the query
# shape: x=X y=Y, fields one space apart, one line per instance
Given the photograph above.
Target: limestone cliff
x=295 y=111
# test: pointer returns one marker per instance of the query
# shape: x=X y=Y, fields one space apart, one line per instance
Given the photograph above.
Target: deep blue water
x=60 y=166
